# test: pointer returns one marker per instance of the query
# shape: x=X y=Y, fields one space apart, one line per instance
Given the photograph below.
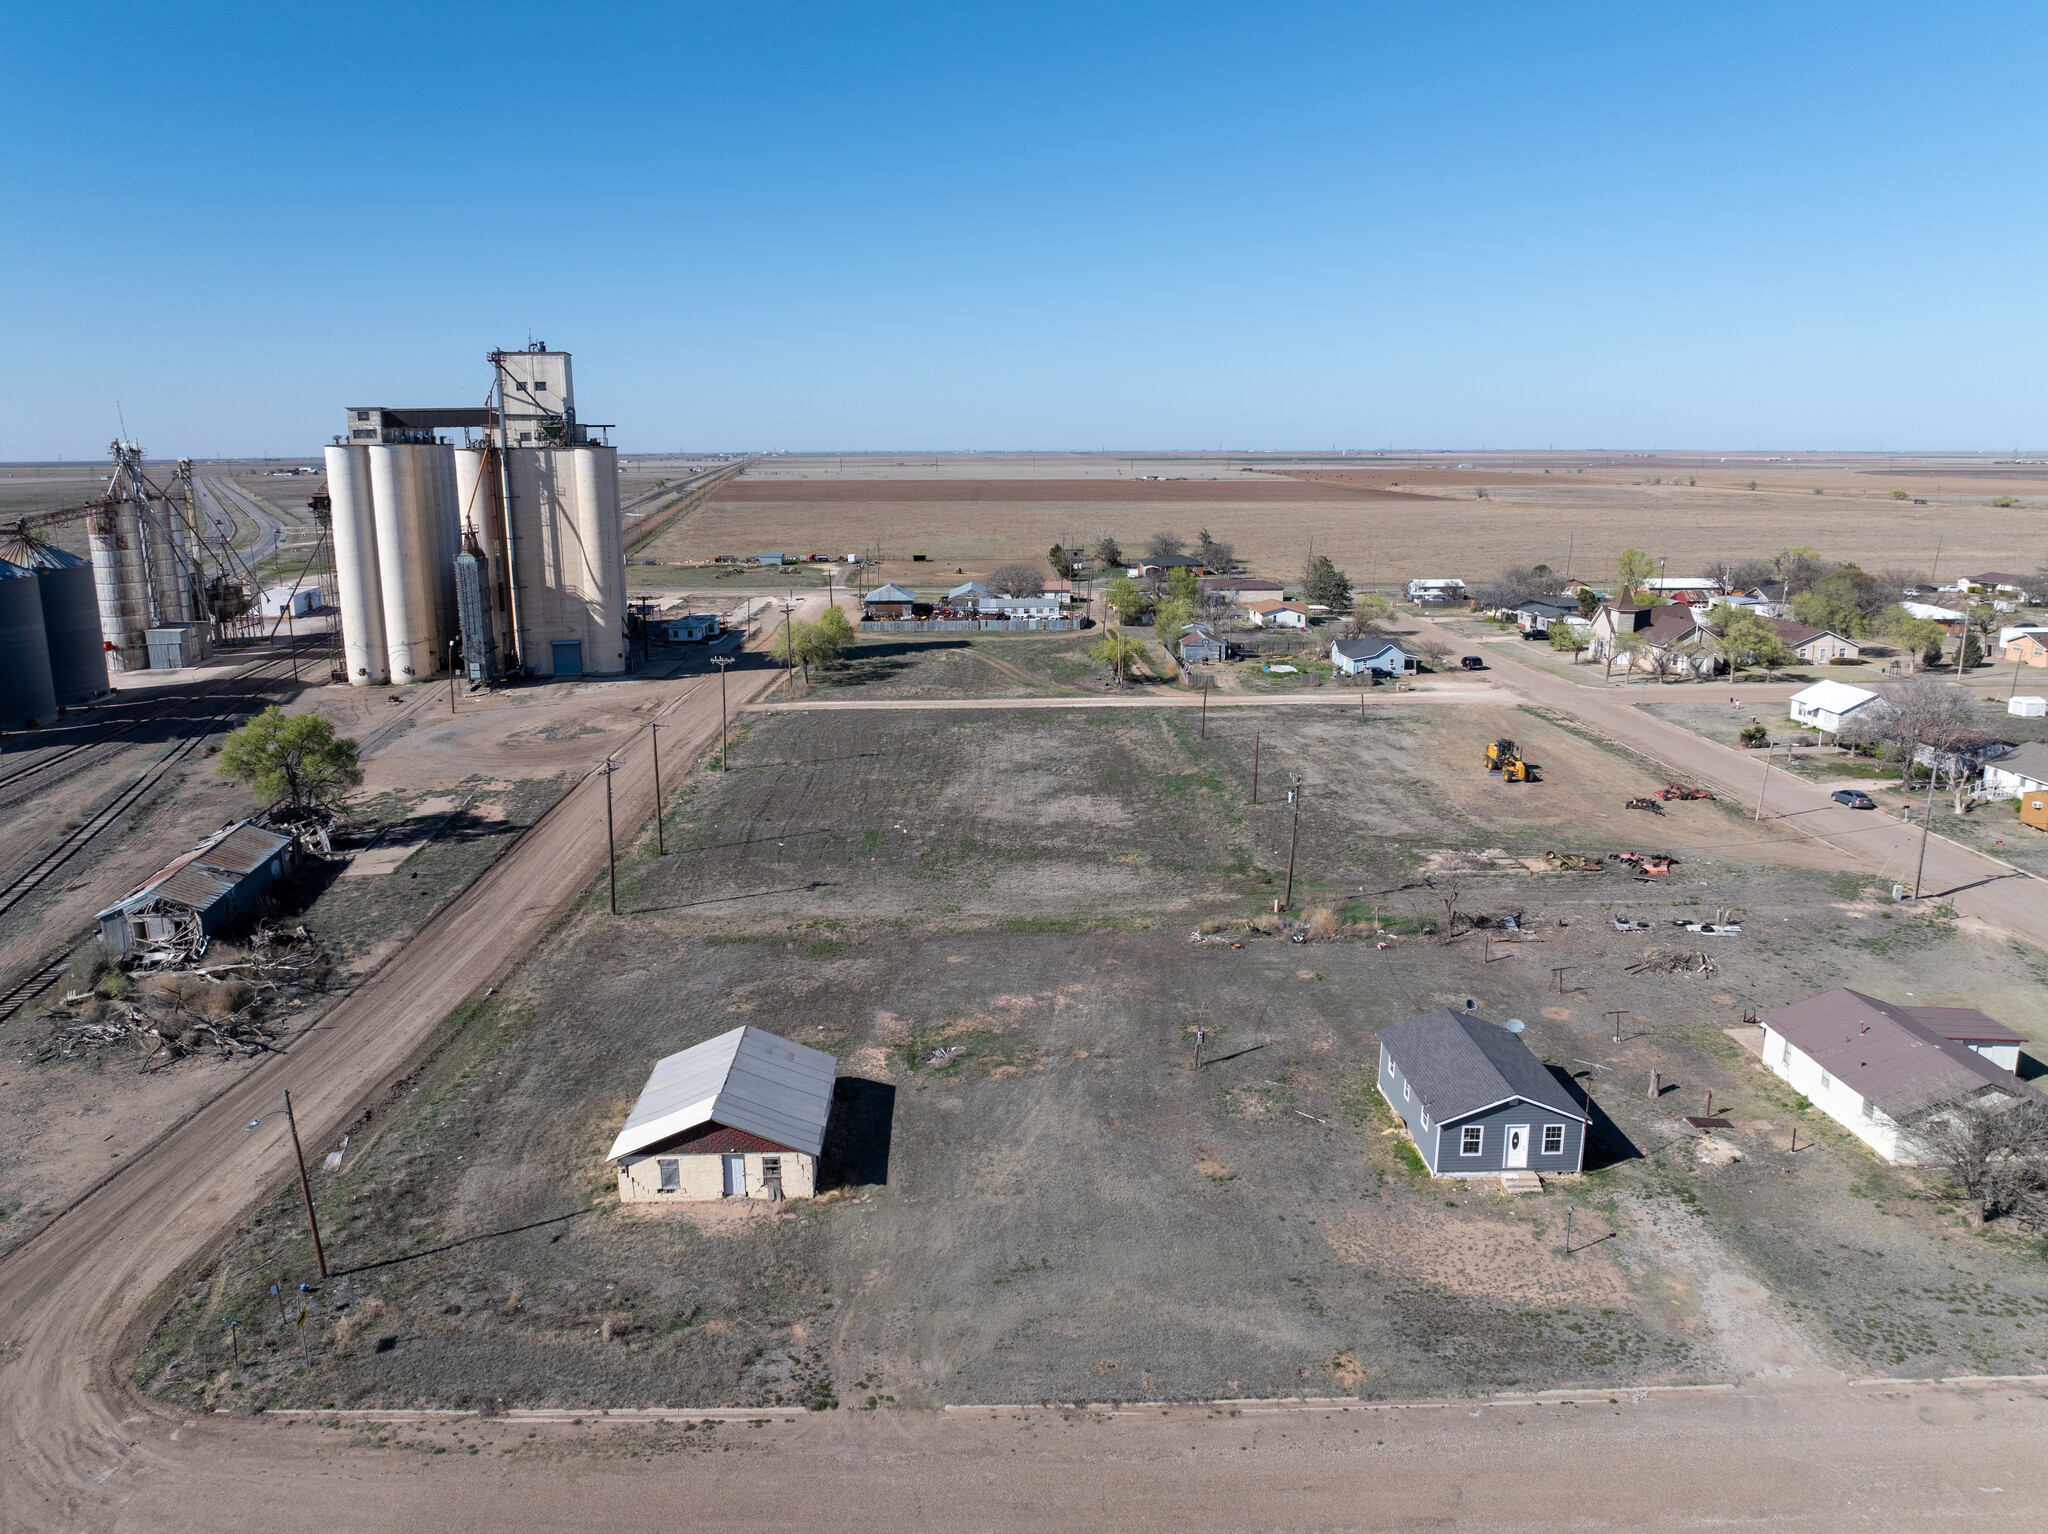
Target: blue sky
x=1043 y=226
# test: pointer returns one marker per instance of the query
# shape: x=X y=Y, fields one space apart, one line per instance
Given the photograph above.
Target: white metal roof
x=890 y=593
x=745 y=1079
x=1833 y=697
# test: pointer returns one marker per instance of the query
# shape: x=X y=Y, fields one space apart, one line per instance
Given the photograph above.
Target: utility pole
x=291 y=631
x=1925 y=821
x=611 y=851
x=1759 y=815
x=1617 y=1016
x=1293 y=839
x=305 y=1186
x=722 y=662
x=1205 y=711
x=451 y=676
x=1200 y=1034
x=1255 y=766
x=788 y=645
x=1567 y=1230
x=660 y=846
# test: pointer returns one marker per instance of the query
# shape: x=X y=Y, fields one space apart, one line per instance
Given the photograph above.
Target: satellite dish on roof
x=1515 y=1025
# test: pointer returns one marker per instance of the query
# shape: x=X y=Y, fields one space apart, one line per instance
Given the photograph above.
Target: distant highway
x=270 y=532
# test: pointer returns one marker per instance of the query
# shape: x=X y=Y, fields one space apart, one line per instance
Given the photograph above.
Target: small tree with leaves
x=1127 y=599
x=1370 y=612
x=1569 y=639
x=1109 y=553
x=1118 y=651
x=1062 y=566
x=1633 y=569
x=294 y=757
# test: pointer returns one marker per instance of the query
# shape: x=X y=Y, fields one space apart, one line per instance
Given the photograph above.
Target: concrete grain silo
x=359 y=589
x=546 y=577
x=26 y=691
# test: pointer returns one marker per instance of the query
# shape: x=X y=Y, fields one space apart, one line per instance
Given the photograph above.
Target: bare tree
x=1164 y=545
x=1017 y=581
x=1108 y=552
x=1918 y=712
x=1992 y=1149
x=1517 y=584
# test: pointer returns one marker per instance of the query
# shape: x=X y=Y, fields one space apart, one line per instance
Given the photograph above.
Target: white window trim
x=1404 y=1091
x=1548 y=1131
x=1472 y=1140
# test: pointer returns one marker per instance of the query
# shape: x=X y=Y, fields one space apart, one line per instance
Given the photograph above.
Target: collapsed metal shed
x=206 y=893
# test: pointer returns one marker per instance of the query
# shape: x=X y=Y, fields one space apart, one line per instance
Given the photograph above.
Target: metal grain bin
x=71 y=622
x=26 y=691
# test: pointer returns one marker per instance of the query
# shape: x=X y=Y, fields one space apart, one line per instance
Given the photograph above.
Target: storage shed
x=209 y=892
x=1476 y=1102
x=739 y=1116
x=888 y=601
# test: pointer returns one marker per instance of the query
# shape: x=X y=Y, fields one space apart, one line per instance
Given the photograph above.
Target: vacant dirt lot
x=1066 y=1209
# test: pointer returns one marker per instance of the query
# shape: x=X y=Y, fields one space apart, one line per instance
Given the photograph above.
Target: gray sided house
x=1199 y=642
x=1476 y=1101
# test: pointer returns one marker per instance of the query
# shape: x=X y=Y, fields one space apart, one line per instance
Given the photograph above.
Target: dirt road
x=68 y=1296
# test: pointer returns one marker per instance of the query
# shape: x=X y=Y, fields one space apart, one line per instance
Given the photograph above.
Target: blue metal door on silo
x=568 y=657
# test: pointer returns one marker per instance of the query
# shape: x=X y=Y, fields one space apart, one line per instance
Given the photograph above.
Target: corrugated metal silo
x=359 y=586
x=477 y=510
x=169 y=580
x=71 y=620
x=602 y=543
x=121 y=580
x=26 y=691
x=402 y=488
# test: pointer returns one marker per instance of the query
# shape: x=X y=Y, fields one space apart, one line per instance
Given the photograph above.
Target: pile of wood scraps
x=1673 y=961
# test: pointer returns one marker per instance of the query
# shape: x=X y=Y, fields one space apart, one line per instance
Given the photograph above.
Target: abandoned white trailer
x=739 y=1116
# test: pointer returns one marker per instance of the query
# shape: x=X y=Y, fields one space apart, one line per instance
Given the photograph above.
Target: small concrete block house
x=739 y=1116
x=1476 y=1102
x=1872 y=1065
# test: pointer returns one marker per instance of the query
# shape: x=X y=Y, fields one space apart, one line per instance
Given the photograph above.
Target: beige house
x=739 y=1116
x=1816 y=647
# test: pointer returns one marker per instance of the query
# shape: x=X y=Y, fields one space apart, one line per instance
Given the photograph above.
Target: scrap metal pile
x=1673 y=961
x=172 y=1009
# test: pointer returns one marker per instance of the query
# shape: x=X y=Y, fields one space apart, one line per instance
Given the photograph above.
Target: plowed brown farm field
x=1383 y=524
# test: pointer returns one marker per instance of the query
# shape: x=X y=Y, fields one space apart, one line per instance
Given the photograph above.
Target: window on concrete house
x=1827 y=1082
x=540 y=385
x=1472 y=1141
x=771 y=1168
x=362 y=415
x=671 y=1174
x=1553 y=1139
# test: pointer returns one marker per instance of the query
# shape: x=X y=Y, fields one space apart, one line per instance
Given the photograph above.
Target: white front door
x=735 y=1176
x=1518 y=1145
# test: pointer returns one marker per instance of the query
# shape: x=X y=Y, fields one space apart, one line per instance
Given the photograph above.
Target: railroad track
x=71 y=753
x=33 y=984
x=74 y=841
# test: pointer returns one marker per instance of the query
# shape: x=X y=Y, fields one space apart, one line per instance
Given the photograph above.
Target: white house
x=2021 y=771
x=1382 y=657
x=739 y=1116
x=1278 y=615
x=1824 y=705
x=693 y=628
x=1872 y=1065
x=1448 y=589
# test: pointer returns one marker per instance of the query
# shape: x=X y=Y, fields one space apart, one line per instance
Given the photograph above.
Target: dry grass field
x=1392 y=520
x=1066 y=1209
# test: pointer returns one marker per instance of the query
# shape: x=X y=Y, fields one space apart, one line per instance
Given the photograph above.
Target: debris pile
x=1576 y=862
x=1655 y=863
x=1673 y=961
x=171 y=1010
x=1644 y=803
x=1682 y=791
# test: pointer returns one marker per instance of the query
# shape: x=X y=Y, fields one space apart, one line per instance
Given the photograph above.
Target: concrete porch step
x=1520 y=1182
